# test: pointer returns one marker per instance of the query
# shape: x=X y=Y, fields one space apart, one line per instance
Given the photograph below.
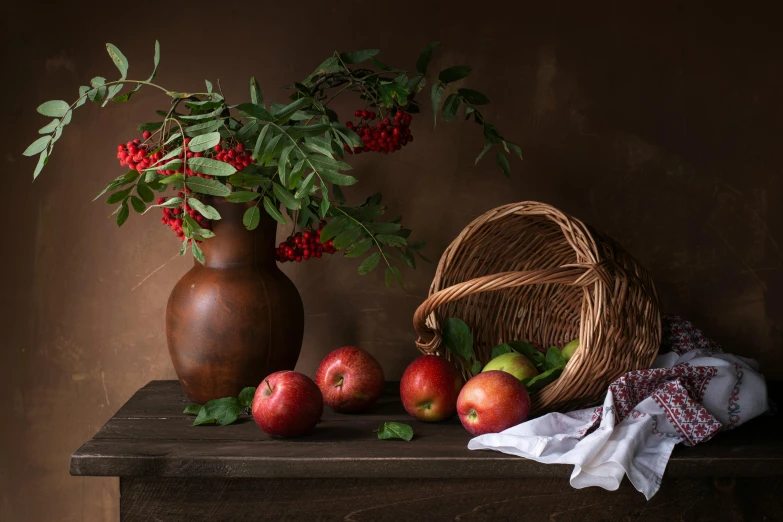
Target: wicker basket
x=527 y=271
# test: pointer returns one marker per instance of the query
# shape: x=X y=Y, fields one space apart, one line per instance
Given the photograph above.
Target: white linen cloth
x=692 y=392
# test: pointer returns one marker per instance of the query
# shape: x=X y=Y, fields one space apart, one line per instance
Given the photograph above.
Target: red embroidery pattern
x=689 y=417
x=681 y=336
x=678 y=390
x=633 y=387
x=734 y=407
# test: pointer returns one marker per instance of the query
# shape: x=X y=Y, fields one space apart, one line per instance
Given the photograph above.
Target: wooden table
x=170 y=471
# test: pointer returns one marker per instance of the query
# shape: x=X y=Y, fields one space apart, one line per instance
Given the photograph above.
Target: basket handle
x=573 y=274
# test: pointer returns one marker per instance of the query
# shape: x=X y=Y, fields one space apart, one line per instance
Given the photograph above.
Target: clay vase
x=237 y=318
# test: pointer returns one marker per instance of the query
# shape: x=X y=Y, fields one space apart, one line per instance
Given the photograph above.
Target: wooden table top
x=151 y=437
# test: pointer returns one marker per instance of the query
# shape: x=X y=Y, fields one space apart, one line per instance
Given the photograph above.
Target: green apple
x=569 y=349
x=514 y=363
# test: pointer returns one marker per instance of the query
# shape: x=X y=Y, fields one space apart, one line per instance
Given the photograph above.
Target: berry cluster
x=385 y=136
x=173 y=216
x=235 y=156
x=134 y=154
x=303 y=246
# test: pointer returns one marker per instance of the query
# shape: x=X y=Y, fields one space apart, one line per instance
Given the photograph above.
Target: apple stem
x=339 y=383
x=267 y=385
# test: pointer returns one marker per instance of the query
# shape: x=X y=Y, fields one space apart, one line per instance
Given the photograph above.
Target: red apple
x=350 y=379
x=287 y=404
x=429 y=388
x=491 y=402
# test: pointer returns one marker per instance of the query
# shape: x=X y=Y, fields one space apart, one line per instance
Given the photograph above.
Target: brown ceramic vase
x=237 y=318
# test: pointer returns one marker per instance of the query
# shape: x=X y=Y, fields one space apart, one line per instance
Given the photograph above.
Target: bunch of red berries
x=236 y=156
x=386 y=136
x=134 y=154
x=303 y=246
x=173 y=216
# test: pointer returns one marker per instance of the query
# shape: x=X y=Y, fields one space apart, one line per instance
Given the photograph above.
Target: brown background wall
x=660 y=125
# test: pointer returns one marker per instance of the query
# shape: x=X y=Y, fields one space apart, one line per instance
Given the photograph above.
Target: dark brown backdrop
x=660 y=125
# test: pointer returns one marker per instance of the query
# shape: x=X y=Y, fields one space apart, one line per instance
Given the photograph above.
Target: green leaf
x=358 y=56
x=118 y=196
x=473 y=97
x=260 y=140
x=500 y=350
x=528 y=350
x=436 y=95
x=207 y=211
x=491 y=134
x=323 y=208
x=394 y=241
x=482 y=153
x=273 y=211
x=242 y=196
x=333 y=227
x=537 y=382
x=450 y=107
x=246 y=396
x=304 y=188
x=249 y=180
x=43 y=159
x=369 y=264
x=211 y=167
x=207 y=186
x=49 y=128
x=308 y=131
x=454 y=73
x=198 y=254
x=425 y=57
x=37 y=146
x=503 y=162
x=285 y=197
x=169 y=203
x=476 y=368
x=359 y=248
x=318 y=149
x=193 y=230
x=554 y=359
x=203 y=128
x=251 y=218
x=284 y=113
x=346 y=237
x=391 y=91
x=144 y=192
x=138 y=205
x=256 y=111
x=219 y=411
x=282 y=164
x=383 y=228
x=269 y=150
x=458 y=339
x=338 y=179
x=330 y=65
x=515 y=148
x=54 y=108
x=174 y=178
x=122 y=215
x=119 y=59
x=204 y=142
x=395 y=430
x=192 y=409
x=256 y=96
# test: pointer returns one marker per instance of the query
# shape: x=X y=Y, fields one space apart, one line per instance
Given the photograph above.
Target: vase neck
x=233 y=244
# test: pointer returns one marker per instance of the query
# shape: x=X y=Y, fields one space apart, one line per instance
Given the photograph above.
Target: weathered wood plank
x=165 y=400
x=531 y=500
x=151 y=437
